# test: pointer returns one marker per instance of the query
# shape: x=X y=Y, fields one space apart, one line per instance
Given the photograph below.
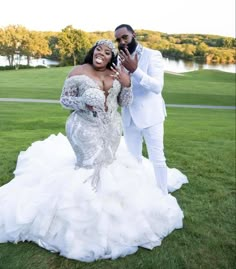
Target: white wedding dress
x=54 y=201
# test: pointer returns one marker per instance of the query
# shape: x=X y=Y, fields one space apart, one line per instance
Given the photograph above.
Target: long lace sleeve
x=125 y=97
x=70 y=98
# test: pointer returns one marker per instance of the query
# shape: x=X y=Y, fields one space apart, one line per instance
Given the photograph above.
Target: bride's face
x=102 y=56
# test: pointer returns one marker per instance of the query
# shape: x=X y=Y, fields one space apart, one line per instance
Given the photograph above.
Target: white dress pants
x=154 y=139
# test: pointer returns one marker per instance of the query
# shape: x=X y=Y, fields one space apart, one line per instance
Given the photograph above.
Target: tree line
x=69 y=46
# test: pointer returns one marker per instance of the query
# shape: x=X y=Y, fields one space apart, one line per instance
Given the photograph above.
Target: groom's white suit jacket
x=148 y=106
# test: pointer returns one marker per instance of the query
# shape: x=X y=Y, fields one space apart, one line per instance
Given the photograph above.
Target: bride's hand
x=121 y=75
x=90 y=108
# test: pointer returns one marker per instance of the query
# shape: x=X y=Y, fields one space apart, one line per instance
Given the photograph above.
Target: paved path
x=57 y=102
x=202 y=106
x=24 y=100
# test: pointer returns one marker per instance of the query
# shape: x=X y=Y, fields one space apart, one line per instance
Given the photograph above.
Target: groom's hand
x=129 y=62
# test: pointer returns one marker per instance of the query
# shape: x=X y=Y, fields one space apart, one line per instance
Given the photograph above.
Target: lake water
x=178 y=66
x=23 y=61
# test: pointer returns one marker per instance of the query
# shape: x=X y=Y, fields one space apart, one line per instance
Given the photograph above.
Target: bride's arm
x=125 y=96
x=70 y=98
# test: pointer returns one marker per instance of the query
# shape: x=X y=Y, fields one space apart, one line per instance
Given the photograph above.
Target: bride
x=83 y=195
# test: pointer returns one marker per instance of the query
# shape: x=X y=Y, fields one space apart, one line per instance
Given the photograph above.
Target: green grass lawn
x=36 y=83
x=206 y=87
x=199 y=142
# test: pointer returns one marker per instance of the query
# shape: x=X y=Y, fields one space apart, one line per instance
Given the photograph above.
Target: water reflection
x=23 y=60
x=178 y=66
x=181 y=66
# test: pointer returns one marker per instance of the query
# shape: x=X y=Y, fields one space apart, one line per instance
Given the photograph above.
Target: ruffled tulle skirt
x=48 y=203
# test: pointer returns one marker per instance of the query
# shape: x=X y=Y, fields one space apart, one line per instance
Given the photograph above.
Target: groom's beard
x=131 y=46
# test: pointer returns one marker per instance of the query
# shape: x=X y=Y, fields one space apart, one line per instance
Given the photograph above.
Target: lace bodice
x=81 y=89
x=94 y=136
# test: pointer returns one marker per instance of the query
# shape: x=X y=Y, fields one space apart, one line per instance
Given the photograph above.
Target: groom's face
x=125 y=39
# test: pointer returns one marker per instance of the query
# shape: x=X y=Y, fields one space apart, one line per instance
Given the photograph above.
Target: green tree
x=229 y=42
x=11 y=39
x=16 y=41
x=35 y=45
x=201 y=49
x=53 y=45
x=189 y=51
x=73 y=45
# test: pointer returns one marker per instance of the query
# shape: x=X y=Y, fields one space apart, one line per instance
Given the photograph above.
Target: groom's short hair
x=129 y=28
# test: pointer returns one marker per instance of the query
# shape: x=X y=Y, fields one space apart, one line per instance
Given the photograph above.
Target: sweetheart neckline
x=96 y=82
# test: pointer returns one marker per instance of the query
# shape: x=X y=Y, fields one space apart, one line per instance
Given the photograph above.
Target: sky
x=215 y=17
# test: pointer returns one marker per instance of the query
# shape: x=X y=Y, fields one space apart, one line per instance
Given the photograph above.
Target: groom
x=144 y=118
